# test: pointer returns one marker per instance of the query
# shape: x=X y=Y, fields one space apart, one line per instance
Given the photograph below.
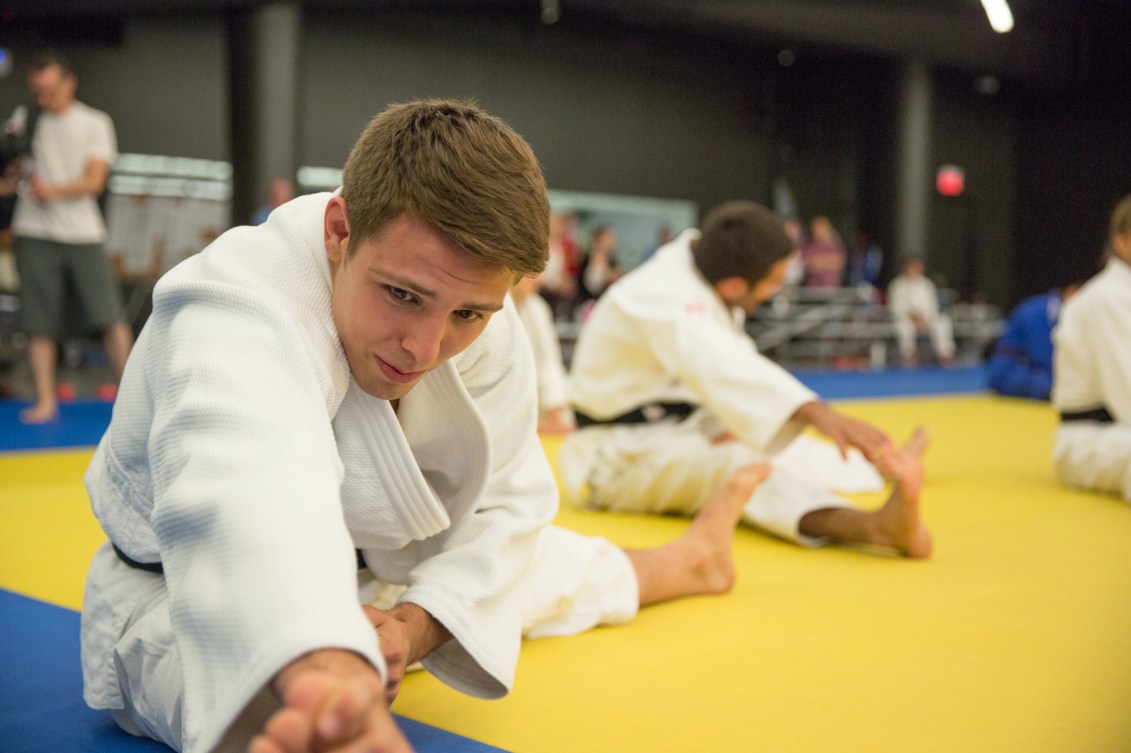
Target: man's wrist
x=425 y=632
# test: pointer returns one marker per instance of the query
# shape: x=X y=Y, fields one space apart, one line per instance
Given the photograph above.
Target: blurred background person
x=1092 y=373
x=865 y=261
x=558 y=283
x=824 y=255
x=599 y=268
x=554 y=415
x=913 y=301
x=60 y=232
x=279 y=192
x=1020 y=362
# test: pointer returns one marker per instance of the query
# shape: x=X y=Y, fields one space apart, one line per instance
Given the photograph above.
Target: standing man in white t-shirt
x=59 y=229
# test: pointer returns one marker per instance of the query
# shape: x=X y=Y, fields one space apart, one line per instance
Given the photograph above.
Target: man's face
x=1121 y=245
x=52 y=88
x=406 y=301
x=764 y=289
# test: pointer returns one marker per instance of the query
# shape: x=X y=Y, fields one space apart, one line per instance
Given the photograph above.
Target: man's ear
x=732 y=288
x=336 y=230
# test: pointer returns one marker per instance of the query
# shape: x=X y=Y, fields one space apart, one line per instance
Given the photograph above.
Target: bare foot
x=700 y=561
x=40 y=413
x=899 y=522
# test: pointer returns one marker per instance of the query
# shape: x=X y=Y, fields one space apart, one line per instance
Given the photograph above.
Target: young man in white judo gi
x=349 y=377
x=671 y=394
x=1092 y=373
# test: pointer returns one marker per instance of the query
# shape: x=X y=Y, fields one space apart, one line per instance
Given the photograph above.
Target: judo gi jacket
x=240 y=458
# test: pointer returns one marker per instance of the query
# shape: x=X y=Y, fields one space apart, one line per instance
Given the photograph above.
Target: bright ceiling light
x=1001 y=18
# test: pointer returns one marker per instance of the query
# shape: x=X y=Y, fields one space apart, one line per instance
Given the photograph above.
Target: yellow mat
x=1014 y=637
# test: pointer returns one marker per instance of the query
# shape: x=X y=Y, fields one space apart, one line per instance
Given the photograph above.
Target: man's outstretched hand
x=333 y=702
x=844 y=431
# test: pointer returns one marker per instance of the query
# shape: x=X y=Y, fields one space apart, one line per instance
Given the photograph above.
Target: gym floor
x=1011 y=638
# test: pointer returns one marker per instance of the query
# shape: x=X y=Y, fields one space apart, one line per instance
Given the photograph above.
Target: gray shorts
x=49 y=270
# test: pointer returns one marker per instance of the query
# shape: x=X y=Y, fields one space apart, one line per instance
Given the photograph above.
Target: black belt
x=645 y=414
x=1099 y=415
x=157 y=567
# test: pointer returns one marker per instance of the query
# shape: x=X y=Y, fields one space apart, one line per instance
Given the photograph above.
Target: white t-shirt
x=63 y=145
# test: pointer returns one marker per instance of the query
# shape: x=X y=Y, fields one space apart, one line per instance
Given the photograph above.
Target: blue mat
x=930 y=380
x=41 y=706
x=81 y=424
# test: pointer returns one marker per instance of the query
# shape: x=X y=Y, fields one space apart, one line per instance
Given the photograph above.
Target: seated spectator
x=823 y=256
x=1020 y=364
x=865 y=260
x=599 y=269
x=559 y=280
x=914 y=304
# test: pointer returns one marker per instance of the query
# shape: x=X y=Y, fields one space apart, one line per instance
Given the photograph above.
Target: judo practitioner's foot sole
x=39 y=414
x=710 y=537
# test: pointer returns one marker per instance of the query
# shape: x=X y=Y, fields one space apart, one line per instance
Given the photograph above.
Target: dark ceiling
x=1056 y=45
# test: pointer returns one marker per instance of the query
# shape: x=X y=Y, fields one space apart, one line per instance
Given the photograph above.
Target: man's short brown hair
x=740 y=239
x=459 y=170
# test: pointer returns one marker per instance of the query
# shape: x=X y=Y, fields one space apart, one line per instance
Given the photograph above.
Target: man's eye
x=399 y=294
x=469 y=316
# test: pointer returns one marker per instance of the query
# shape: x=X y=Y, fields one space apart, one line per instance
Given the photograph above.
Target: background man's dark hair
x=740 y=239
x=48 y=58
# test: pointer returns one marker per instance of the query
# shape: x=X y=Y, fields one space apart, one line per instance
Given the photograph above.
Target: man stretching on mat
x=349 y=384
x=1092 y=373
x=671 y=395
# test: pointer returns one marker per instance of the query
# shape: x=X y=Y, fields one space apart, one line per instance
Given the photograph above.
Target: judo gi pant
x=1092 y=455
x=940 y=330
x=575 y=583
x=673 y=468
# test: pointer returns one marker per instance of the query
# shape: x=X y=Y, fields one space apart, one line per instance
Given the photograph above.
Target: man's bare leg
x=118 y=339
x=700 y=561
x=41 y=357
x=897 y=525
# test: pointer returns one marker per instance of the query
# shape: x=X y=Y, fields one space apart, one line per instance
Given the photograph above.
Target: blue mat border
x=41 y=706
x=81 y=424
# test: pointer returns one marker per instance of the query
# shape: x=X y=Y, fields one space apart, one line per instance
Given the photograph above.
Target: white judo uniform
x=661 y=335
x=538 y=320
x=1092 y=371
x=241 y=459
x=909 y=297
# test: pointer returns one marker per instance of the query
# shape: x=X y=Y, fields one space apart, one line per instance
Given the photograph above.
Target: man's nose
x=423 y=339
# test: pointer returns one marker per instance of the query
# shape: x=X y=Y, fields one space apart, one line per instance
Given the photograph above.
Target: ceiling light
x=1001 y=18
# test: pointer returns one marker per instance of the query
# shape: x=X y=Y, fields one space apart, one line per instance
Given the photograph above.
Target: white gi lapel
x=448 y=438
x=410 y=474
x=386 y=501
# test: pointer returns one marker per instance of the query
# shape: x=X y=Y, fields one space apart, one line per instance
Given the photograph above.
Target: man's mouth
x=393 y=374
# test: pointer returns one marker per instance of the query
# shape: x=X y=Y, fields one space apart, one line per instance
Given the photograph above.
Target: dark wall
x=1074 y=166
x=605 y=110
x=651 y=112
x=163 y=80
x=970 y=243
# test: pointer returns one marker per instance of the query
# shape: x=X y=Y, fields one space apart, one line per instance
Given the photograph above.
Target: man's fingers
x=287 y=731
x=344 y=716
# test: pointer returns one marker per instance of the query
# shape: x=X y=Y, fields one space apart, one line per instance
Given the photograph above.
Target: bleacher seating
x=843 y=328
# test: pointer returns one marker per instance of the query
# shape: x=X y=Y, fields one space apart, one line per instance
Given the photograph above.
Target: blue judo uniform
x=1021 y=363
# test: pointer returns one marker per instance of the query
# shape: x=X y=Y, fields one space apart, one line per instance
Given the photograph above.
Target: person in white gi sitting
x=913 y=301
x=1092 y=373
x=554 y=416
x=349 y=385
x=671 y=395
